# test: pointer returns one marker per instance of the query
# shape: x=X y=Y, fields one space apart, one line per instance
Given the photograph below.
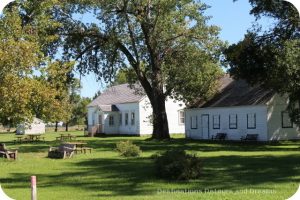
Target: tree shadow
x=136 y=176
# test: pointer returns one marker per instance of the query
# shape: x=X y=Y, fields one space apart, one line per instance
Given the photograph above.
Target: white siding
x=129 y=108
x=275 y=130
x=93 y=113
x=172 y=108
x=111 y=129
x=142 y=111
x=36 y=127
x=232 y=134
x=145 y=112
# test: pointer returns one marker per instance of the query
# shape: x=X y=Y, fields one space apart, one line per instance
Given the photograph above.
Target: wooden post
x=33 y=188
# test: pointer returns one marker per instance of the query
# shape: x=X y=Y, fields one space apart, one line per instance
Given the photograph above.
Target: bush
x=128 y=149
x=178 y=165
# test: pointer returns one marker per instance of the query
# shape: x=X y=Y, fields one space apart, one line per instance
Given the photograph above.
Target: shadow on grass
x=107 y=144
x=136 y=176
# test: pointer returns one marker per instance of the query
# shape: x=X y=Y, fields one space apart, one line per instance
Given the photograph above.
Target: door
x=205 y=126
x=99 y=127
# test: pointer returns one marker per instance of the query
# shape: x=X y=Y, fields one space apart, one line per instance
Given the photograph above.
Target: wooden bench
x=219 y=136
x=83 y=150
x=250 y=137
x=8 y=153
x=63 y=151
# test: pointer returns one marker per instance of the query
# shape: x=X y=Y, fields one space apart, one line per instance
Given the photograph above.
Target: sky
x=232 y=17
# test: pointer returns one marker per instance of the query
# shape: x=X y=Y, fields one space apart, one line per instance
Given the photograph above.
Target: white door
x=205 y=126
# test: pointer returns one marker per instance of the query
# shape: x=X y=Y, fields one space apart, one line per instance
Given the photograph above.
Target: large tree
x=27 y=88
x=272 y=57
x=168 y=44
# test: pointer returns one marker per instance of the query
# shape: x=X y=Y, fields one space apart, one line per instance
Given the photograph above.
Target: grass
x=231 y=171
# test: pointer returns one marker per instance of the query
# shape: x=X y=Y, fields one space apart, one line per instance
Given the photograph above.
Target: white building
x=121 y=110
x=239 y=109
x=36 y=127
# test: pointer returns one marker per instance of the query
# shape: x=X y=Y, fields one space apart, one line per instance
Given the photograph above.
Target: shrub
x=128 y=149
x=178 y=165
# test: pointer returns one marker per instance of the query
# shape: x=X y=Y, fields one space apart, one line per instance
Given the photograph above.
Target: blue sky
x=232 y=17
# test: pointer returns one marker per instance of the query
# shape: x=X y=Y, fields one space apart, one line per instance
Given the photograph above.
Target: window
x=286 y=120
x=233 y=121
x=251 y=121
x=194 y=124
x=181 y=117
x=216 y=121
x=126 y=119
x=120 y=119
x=111 y=120
x=99 y=119
x=132 y=118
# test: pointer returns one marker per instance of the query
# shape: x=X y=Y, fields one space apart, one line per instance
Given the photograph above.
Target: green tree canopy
x=168 y=44
x=27 y=73
x=271 y=58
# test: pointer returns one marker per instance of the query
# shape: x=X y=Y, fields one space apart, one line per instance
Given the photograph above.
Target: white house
x=36 y=127
x=239 y=109
x=122 y=110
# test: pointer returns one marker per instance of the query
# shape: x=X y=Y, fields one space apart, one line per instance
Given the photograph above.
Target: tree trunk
x=67 y=126
x=56 y=125
x=160 y=121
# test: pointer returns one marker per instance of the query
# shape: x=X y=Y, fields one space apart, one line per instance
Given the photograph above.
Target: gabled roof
x=118 y=94
x=109 y=108
x=238 y=93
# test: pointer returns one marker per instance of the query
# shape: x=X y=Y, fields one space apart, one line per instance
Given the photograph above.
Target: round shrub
x=128 y=149
x=178 y=165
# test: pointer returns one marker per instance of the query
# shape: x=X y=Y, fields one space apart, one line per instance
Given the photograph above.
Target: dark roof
x=238 y=93
x=109 y=108
x=116 y=95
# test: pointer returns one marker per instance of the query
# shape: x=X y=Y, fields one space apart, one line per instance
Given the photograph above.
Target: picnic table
x=34 y=137
x=29 y=138
x=79 y=147
x=64 y=137
x=19 y=139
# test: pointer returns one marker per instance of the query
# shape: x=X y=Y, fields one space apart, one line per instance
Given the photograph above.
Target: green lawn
x=231 y=171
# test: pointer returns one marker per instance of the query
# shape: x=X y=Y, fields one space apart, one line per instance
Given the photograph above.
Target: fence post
x=33 y=188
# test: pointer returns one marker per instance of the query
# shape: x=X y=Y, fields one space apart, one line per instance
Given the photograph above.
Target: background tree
x=125 y=75
x=79 y=112
x=59 y=75
x=26 y=90
x=271 y=58
x=73 y=86
x=96 y=94
x=152 y=37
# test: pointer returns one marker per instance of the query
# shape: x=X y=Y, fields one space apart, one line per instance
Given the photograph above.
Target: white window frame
x=132 y=118
x=126 y=118
x=111 y=120
x=216 y=121
x=233 y=121
x=120 y=119
x=253 y=124
x=286 y=120
x=181 y=117
x=194 y=122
